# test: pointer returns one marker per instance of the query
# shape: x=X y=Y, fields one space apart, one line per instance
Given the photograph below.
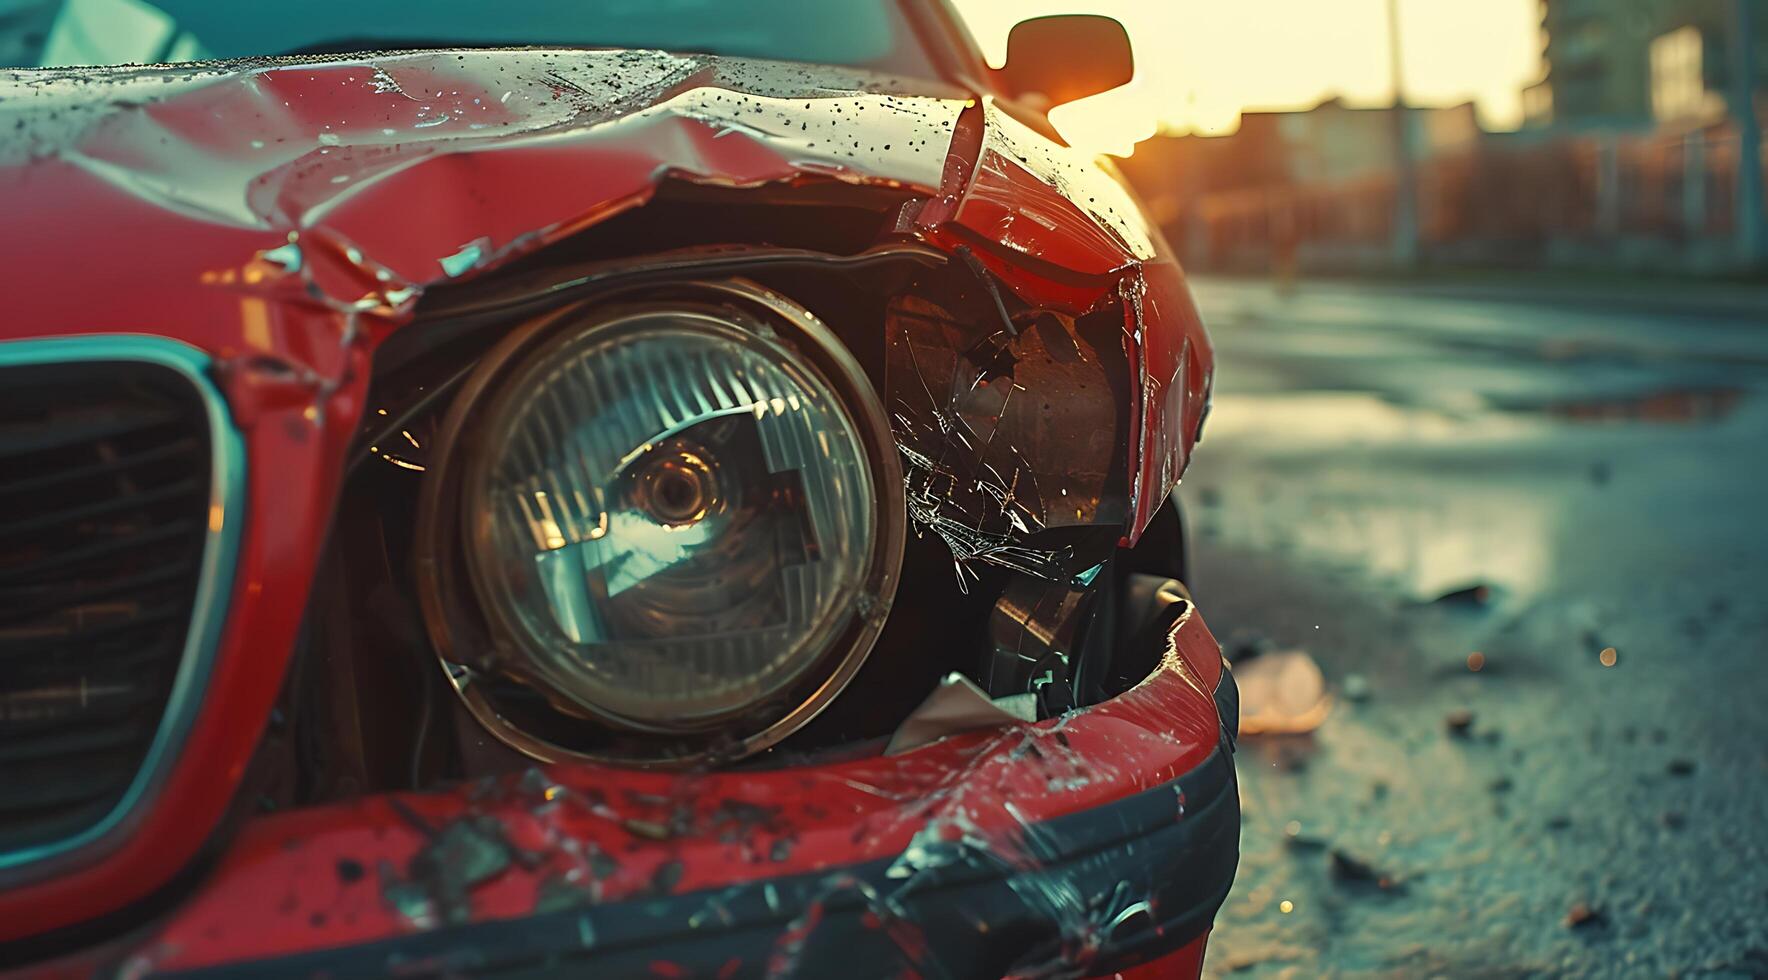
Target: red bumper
x=1114 y=830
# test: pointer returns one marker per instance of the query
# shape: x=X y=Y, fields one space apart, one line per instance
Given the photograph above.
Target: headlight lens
x=672 y=520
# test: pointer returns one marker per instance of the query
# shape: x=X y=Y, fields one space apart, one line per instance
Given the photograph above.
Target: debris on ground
x=1572 y=533
x=1582 y=916
x=1476 y=596
x=1244 y=644
x=1459 y=722
x=1349 y=869
x=1296 y=839
x=1282 y=693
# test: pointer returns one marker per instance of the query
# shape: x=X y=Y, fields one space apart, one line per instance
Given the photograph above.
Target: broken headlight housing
x=664 y=529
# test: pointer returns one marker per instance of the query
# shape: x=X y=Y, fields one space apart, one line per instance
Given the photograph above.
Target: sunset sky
x=1200 y=62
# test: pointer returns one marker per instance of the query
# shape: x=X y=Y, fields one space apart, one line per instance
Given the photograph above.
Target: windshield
x=56 y=33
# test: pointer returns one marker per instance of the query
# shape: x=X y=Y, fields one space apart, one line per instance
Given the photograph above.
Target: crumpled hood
x=427 y=164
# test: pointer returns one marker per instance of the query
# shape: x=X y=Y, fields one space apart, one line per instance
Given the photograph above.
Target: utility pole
x=1752 y=222
x=1405 y=217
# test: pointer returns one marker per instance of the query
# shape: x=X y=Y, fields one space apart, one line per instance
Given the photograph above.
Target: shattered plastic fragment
x=958 y=705
x=1281 y=693
x=465 y=260
x=437 y=885
x=286 y=257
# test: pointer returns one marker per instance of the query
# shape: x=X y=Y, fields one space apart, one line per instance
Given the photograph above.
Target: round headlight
x=679 y=519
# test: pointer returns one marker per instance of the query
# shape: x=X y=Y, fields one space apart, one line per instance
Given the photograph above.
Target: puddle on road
x=1424 y=500
x=1417 y=520
x=1327 y=419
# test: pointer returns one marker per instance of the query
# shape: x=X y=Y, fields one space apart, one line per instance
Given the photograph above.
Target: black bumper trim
x=1108 y=887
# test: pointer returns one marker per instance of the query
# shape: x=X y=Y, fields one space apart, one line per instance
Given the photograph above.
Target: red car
x=580 y=494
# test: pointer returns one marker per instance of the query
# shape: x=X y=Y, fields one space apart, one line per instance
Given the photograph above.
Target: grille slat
x=34 y=711
x=171 y=450
x=118 y=650
x=75 y=427
x=105 y=739
x=55 y=786
x=26 y=602
x=41 y=643
x=104 y=499
x=56 y=519
x=172 y=532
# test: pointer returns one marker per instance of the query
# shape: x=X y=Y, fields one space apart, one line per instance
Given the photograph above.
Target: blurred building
x=1632 y=64
x=1631 y=158
x=1289 y=180
x=1597 y=72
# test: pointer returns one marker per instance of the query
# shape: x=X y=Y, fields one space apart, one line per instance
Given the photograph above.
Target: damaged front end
x=750 y=535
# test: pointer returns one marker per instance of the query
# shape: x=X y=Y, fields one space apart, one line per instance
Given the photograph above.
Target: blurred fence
x=1659 y=201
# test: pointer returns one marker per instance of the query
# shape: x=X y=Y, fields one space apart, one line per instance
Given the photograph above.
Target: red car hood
x=391 y=172
x=430 y=165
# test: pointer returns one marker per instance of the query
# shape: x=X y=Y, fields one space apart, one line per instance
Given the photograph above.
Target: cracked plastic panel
x=1012 y=433
x=1063 y=235
x=1172 y=366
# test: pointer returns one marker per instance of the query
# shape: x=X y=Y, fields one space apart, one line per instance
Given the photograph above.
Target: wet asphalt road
x=1597 y=460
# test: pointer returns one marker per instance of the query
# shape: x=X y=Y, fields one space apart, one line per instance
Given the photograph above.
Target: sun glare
x=1110 y=122
x=1200 y=63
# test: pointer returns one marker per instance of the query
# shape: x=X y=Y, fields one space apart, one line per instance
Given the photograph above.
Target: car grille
x=105 y=489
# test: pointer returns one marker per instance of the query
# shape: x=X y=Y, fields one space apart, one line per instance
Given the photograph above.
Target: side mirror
x=1066 y=57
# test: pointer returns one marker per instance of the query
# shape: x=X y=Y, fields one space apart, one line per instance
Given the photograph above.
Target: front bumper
x=1104 y=889
x=1092 y=842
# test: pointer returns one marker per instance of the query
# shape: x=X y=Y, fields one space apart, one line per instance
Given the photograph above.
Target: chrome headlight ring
x=625 y=486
